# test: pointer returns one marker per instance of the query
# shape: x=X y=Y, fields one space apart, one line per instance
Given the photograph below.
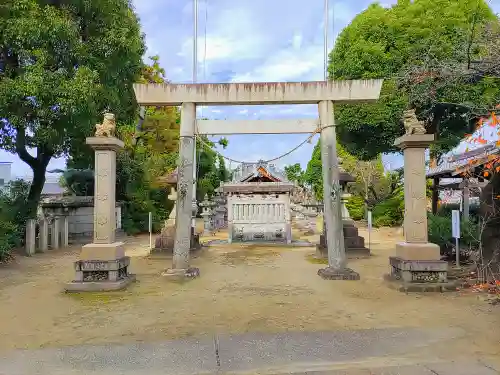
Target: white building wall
x=5 y=173
x=259 y=217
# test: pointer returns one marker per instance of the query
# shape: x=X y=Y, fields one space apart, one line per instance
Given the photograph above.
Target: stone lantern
x=353 y=242
x=165 y=241
x=208 y=215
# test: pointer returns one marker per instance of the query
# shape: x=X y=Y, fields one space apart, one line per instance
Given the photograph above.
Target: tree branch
x=21 y=151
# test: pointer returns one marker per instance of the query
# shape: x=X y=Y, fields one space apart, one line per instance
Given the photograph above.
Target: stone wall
x=80 y=213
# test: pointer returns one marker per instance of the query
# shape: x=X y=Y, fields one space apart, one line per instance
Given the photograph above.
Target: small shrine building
x=258 y=204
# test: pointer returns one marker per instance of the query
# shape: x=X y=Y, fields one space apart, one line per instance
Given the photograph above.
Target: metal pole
x=457 y=249
x=325 y=68
x=195 y=80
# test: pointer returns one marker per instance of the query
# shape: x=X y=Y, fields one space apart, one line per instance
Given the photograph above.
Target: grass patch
x=312 y=259
x=99 y=298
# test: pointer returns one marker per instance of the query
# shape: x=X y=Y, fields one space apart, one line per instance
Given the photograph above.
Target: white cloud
x=287 y=65
x=297 y=40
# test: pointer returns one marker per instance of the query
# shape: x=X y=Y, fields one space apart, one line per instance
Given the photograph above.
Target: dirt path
x=251 y=290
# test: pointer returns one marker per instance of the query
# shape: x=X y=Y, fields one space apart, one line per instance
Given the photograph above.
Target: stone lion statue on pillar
x=412 y=125
x=108 y=126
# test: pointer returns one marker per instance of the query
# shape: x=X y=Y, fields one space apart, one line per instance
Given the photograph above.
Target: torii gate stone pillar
x=320 y=93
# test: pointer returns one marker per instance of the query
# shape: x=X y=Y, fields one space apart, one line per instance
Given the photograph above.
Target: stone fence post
x=30 y=245
x=56 y=230
x=44 y=235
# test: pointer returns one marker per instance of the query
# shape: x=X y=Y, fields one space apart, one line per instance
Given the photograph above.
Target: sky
x=244 y=41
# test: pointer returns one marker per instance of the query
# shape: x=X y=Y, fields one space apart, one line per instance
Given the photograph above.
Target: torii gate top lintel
x=258 y=93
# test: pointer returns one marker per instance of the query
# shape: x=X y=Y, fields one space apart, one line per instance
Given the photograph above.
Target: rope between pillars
x=318 y=130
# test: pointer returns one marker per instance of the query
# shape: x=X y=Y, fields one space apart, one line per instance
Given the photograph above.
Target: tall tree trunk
x=38 y=165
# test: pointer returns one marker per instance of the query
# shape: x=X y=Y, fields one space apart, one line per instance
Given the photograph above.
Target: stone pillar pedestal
x=103 y=265
x=417 y=266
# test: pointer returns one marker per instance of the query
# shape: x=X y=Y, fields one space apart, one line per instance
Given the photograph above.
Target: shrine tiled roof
x=247 y=171
x=471 y=152
x=453 y=165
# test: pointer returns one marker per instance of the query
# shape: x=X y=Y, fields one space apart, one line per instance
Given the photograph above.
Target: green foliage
x=77 y=181
x=294 y=173
x=439 y=231
x=62 y=63
x=356 y=207
x=390 y=212
x=211 y=167
x=313 y=175
x=151 y=152
x=12 y=216
x=372 y=183
x=386 y=42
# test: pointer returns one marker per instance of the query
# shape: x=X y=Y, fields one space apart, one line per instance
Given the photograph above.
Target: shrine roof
x=248 y=171
x=454 y=164
x=471 y=152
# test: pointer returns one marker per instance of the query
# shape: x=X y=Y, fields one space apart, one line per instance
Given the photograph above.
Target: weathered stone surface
x=330 y=273
x=165 y=240
x=30 y=246
x=99 y=265
x=419 y=276
x=103 y=251
x=104 y=275
x=164 y=243
x=353 y=242
x=100 y=286
x=181 y=274
x=418 y=251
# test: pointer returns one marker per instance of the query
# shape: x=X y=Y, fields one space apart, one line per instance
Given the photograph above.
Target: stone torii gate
x=188 y=96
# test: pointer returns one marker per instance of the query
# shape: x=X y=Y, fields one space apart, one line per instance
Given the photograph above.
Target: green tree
x=313 y=175
x=151 y=152
x=294 y=173
x=385 y=42
x=63 y=63
x=211 y=168
x=372 y=183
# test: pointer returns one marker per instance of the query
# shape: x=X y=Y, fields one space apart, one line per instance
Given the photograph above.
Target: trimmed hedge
x=356 y=207
x=389 y=213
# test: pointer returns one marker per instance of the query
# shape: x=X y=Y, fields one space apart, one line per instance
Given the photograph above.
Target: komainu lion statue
x=108 y=126
x=412 y=125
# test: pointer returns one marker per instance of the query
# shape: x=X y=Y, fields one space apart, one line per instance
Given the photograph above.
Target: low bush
x=439 y=232
x=13 y=216
x=390 y=212
x=356 y=207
